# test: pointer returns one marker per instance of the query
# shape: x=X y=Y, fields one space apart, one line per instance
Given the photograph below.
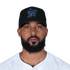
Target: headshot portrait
x=32 y=33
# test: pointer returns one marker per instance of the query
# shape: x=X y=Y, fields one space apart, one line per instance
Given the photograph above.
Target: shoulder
x=60 y=64
x=8 y=63
x=65 y=66
x=3 y=67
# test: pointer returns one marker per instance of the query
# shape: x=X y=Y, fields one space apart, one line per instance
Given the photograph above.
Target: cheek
x=41 y=34
x=25 y=35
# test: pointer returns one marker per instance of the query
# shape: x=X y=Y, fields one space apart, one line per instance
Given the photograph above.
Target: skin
x=27 y=31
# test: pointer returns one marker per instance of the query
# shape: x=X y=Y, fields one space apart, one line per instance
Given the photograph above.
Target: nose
x=33 y=32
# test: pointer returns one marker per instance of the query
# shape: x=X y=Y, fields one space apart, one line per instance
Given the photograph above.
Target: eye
x=38 y=26
x=27 y=27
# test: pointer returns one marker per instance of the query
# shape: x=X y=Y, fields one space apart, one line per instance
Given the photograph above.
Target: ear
x=46 y=32
x=18 y=30
x=49 y=32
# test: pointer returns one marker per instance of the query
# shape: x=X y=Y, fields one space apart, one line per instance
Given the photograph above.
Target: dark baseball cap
x=32 y=14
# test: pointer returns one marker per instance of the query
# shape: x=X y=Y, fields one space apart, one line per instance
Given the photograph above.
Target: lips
x=33 y=39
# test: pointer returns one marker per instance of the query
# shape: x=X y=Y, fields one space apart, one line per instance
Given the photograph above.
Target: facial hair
x=31 y=48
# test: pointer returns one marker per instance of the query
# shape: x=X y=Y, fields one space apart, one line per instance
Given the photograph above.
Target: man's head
x=31 y=23
x=32 y=32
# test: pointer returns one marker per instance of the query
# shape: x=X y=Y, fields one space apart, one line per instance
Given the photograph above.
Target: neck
x=33 y=58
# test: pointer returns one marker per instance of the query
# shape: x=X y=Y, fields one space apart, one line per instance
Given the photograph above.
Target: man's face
x=33 y=34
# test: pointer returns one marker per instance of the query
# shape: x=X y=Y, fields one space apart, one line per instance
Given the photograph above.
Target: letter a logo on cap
x=31 y=13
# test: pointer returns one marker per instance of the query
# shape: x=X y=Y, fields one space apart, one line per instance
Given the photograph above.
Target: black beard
x=31 y=48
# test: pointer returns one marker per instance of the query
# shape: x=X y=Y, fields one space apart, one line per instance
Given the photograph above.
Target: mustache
x=33 y=37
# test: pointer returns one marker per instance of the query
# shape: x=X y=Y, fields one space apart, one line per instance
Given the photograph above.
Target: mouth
x=33 y=39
